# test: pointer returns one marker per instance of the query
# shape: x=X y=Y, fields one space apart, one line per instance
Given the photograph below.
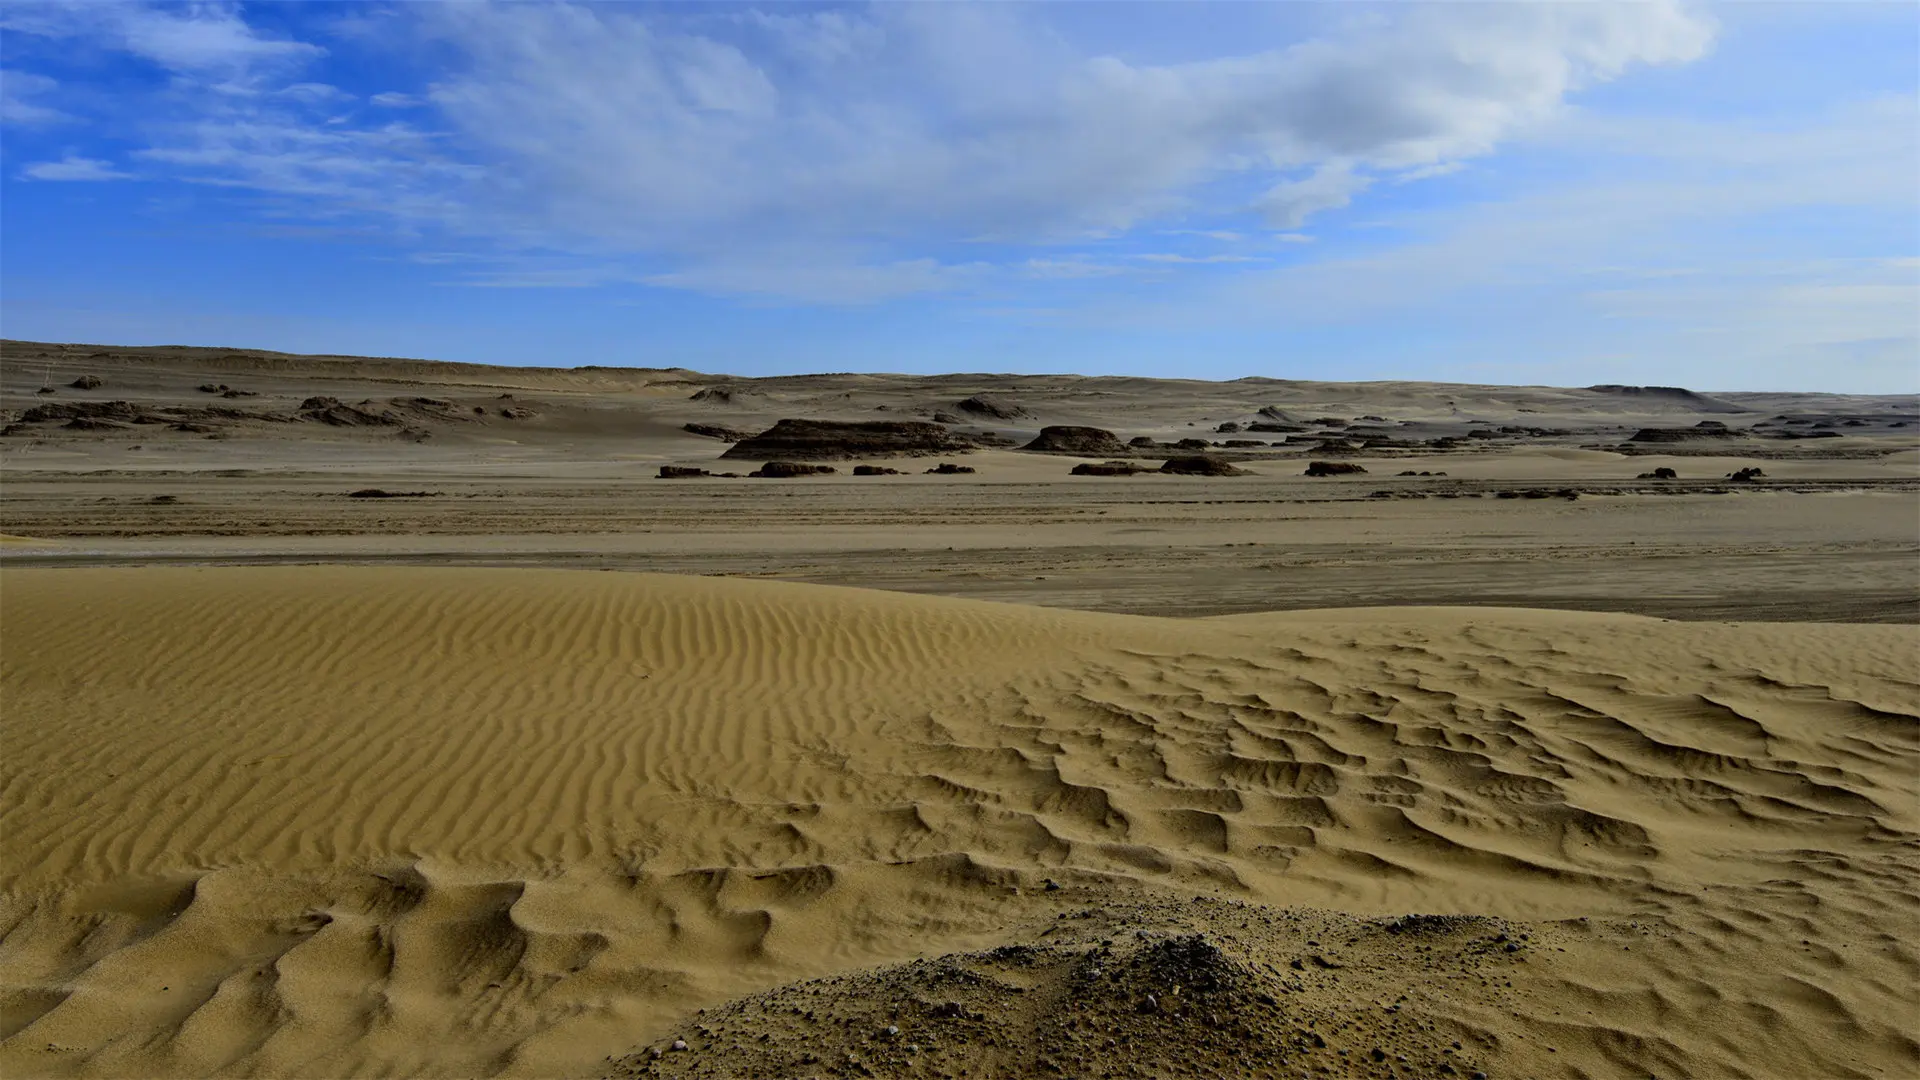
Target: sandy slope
x=333 y=821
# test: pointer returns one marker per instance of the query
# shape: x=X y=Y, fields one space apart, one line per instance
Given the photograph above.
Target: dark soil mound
x=948 y=468
x=88 y=382
x=1744 y=476
x=1065 y=439
x=1662 y=473
x=1193 y=444
x=782 y=469
x=1228 y=428
x=874 y=470
x=1141 y=440
x=681 y=472
x=716 y=431
x=1200 y=465
x=1108 y=468
x=982 y=405
x=1333 y=468
x=831 y=440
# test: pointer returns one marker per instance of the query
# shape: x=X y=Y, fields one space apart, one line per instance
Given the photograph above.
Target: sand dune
x=333 y=821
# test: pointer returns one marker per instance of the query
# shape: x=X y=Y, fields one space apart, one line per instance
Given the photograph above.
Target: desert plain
x=371 y=717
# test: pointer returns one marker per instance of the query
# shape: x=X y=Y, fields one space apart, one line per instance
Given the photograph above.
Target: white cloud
x=1329 y=187
x=17 y=88
x=208 y=39
x=699 y=139
x=74 y=168
x=1172 y=257
x=392 y=99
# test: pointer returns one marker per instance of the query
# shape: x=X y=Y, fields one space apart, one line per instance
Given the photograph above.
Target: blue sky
x=1722 y=197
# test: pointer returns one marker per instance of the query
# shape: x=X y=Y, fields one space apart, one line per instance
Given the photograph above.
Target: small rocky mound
x=681 y=472
x=832 y=440
x=942 y=416
x=1228 y=428
x=1141 y=440
x=1193 y=444
x=1333 y=468
x=777 y=470
x=1269 y=427
x=1240 y=443
x=1661 y=473
x=1744 y=476
x=1412 y=472
x=88 y=382
x=1086 y=441
x=875 y=470
x=1108 y=468
x=1200 y=465
x=1274 y=412
x=983 y=405
x=1102 y=998
x=948 y=468
x=717 y=431
x=713 y=395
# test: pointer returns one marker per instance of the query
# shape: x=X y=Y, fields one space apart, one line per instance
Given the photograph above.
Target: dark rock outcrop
x=1661 y=473
x=1240 y=443
x=1193 y=444
x=1745 y=476
x=1228 y=428
x=713 y=395
x=948 y=468
x=1706 y=429
x=1108 y=468
x=1066 y=439
x=681 y=472
x=983 y=405
x=1333 y=468
x=777 y=470
x=1277 y=428
x=1200 y=465
x=816 y=440
x=714 y=431
x=88 y=382
x=874 y=470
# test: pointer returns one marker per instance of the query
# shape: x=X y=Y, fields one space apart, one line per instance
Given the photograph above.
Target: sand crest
x=346 y=821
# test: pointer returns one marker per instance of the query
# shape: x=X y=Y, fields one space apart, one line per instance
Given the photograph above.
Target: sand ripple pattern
x=342 y=820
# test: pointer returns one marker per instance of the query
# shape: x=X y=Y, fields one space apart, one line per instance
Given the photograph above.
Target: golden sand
x=329 y=821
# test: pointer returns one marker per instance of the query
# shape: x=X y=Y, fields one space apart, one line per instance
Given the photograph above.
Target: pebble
x=892 y=1030
x=679 y=1044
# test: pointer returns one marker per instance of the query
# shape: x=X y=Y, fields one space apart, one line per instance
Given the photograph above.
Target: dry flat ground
x=302 y=784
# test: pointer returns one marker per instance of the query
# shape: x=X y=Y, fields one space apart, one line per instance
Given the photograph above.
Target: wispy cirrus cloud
x=871 y=139
x=74 y=168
